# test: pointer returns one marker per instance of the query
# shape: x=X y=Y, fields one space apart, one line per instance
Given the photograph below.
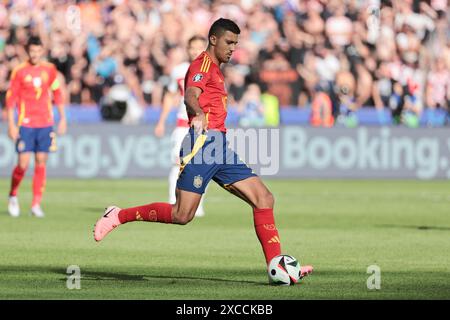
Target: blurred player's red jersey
x=31 y=90
x=206 y=75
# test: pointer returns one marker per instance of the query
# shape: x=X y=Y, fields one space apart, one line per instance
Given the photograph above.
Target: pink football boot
x=107 y=223
x=306 y=271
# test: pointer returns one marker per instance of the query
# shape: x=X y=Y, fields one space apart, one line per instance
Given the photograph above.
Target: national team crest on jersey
x=198 y=77
x=198 y=181
x=37 y=82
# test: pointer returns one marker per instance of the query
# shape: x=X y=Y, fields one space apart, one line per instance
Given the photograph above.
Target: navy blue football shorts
x=36 y=140
x=208 y=156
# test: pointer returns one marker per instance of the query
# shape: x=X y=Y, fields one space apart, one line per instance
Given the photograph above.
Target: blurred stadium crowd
x=333 y=56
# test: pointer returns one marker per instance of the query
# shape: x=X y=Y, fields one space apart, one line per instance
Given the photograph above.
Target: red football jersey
x=31 y=89
x=206 y=75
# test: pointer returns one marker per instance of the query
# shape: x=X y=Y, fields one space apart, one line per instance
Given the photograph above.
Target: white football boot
x=13 y=206
x=36 y=211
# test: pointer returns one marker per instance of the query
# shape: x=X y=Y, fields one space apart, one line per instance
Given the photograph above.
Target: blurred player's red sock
x=16 y=178
x=38 y=184
x=267 y=232
x=154 y=212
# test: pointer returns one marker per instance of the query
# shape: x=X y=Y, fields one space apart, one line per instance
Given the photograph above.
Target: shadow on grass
x=87 y=274
x=99 y=276
x=438 y=228
x=99 y=210
x=326 y=283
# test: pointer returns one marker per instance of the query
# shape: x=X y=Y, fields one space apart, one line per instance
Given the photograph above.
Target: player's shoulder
x=48 y=65
x=18 y=68
x=202 y=63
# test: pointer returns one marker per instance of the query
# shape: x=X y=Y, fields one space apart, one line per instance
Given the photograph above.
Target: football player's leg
x=19 y=172
x=182 y=212
x=254 y=192
x=45 y=140
x=177 y=137
x=115 y=216
x=39 y=177
x=186 y=206
x=190 y=187
x=25 y=145
x=200 y=212
x=16 y=178
x=173 y=177
x=179 y=213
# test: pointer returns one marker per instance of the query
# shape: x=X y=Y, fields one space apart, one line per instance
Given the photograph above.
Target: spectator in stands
x=251 y=108
x=413 y=106
x=236 y=84
x=437 y=89
x=288 y=48
x=278 y=76
x=338 y=26
x=345 y=96
x=308 y=79
x=385 y=46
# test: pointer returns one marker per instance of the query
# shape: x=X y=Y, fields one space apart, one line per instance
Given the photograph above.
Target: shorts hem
x=190 y=190
x=241 y=178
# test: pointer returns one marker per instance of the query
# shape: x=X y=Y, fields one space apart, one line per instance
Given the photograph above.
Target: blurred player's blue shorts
x=36 y=140
x=208 y=156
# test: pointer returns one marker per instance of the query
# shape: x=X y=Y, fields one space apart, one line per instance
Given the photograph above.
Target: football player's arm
x=193 y=108
x=133 y=83
x=59 y=102
x=167 y=104
x=13 y=131
x=377 y=97
x=12 y=98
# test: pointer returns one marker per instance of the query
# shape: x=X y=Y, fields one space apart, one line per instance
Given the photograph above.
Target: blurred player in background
x=206 y=102
x=33 y=84
x=175 y=91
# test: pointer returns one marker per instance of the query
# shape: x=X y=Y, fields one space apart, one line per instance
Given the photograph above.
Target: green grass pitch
x=340 y=227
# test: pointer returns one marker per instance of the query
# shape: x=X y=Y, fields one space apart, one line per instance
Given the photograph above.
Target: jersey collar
x=212 y=61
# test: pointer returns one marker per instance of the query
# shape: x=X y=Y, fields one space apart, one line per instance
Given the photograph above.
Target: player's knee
x=183 y=217
x=23 y=164
x=270 y=199
x=183 y=220
x=265 y=200
x=40 y=163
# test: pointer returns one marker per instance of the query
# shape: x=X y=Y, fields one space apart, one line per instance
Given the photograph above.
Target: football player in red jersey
x=206 y=102
x=33 y=85
x=195 y=47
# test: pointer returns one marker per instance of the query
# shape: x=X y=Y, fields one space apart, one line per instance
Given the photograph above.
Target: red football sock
x=38 y=184
x=154 y=212
x=17 y=176
x=267 y=232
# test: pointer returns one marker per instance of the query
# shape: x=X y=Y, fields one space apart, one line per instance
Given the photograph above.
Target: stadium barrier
x=289 y=115
x=112 y=150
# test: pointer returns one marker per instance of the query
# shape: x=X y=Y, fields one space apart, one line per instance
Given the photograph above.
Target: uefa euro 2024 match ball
x=284 y=270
